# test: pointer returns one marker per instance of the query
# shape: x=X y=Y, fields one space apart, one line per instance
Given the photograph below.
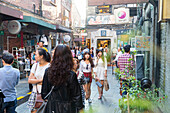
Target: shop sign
x=114 y=2
x=14 y=27
x=121 y=15
x=83 y=40
x=100 y=19
x=67 y=38
x=103 y=32
x=122 y=31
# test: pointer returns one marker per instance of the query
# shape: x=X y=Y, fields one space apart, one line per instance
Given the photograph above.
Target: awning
x=63 y=29
x=30 y=19
x=7 y=13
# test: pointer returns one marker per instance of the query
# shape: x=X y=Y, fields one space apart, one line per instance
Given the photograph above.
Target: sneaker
x=89 y=100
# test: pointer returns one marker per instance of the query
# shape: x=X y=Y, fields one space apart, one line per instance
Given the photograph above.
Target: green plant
x=107 y=55
x=15 y=64
x=139 y=99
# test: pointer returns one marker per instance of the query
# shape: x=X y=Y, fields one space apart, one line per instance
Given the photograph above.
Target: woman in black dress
x=66 y=96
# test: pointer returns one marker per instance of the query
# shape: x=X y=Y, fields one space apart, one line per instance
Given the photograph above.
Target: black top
x=65 y=98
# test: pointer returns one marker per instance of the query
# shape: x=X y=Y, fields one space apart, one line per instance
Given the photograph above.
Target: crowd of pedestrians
x=66 y=74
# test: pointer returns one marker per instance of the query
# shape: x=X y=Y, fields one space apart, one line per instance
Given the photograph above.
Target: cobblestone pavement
x=108 y=104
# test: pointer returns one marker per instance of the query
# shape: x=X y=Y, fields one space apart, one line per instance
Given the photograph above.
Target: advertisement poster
x=121 y=15
x=143 y=43
x=101 y=19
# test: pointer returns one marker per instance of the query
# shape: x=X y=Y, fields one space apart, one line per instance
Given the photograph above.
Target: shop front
x=6 y=14
x=33 y=31
x=103 y=38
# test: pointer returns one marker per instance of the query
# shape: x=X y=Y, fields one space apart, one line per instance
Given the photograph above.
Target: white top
x=100 y=68
x=39 y=74
x=118 y=55
x=100 y=63
x=85 y=67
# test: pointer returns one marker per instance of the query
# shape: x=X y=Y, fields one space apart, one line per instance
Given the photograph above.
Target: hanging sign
x=14 y=27
x=121 y=15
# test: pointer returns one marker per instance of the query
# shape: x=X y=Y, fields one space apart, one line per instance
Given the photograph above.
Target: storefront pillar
x=22 y=40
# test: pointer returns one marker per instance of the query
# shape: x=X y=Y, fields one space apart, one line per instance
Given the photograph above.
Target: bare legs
x=87 y=88
x=100 y=90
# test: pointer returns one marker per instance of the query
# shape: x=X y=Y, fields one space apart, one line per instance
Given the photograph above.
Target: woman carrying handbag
x=100 y=71
x=66 y=96
x=36 y=77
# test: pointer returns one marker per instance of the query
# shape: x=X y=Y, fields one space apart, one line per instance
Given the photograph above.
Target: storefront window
x=103 y=43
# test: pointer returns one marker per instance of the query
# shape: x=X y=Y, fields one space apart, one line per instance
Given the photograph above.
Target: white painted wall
x=97 y=35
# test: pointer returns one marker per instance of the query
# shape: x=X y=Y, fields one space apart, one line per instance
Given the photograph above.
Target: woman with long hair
x=101 y=71
x=86 y=67
x=66 y=95
x=36 y=76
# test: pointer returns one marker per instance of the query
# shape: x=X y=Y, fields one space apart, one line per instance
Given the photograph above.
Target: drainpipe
x=40 y=7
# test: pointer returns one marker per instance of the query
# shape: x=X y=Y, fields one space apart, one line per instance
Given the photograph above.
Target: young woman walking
x=101 y=71
x=66 y=95
x=86 y=67
x=36 y=77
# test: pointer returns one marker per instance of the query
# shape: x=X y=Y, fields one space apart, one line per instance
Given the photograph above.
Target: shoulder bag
x=38 y=100
x=42 y=108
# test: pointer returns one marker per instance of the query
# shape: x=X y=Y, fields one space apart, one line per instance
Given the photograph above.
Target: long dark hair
x=61 y=65
x=90 y=59
x=46 y=55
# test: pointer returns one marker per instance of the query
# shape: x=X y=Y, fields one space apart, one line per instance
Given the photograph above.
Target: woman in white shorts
x=100 y=71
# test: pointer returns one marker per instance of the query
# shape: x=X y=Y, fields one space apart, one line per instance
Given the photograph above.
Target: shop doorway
x=88 y=43
x=103 y=43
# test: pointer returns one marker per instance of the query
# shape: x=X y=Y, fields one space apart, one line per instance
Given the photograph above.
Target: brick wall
x=13 y=42
x=49 y=10
x=111 y=2
x=26 y=4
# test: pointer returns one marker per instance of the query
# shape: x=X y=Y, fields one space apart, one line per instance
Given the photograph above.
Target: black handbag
x=1 y=99
x=44 y=104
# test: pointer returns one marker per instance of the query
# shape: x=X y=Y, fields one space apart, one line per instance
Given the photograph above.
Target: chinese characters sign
x=101 y=19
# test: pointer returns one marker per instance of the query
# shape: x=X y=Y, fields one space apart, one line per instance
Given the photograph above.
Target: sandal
x=100 y=97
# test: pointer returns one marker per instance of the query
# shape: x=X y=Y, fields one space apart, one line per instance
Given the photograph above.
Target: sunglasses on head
x=87 y=66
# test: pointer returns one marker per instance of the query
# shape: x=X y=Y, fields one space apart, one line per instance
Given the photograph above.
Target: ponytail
x=46 y=55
